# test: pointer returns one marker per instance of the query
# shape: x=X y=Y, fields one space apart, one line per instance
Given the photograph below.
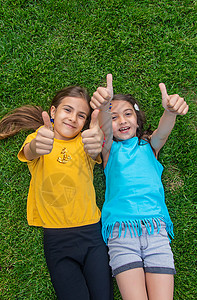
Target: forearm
x=105 y=122
x=30 y=150
x=101 y=100
x=163 y=130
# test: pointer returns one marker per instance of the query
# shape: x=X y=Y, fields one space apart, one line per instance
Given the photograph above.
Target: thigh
x=63 y=261
x=160 y=286
x=69 y=282
x=97 y=271
x=131 y=284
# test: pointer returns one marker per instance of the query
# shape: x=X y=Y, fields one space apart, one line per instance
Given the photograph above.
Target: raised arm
x=43 y=142
x=101 y=100
x=174 y=105
x=92 y=138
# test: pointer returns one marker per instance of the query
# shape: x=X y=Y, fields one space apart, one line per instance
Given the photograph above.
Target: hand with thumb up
x=92 y=138
x=173 y=103
x=43 y=142
x=102 y=97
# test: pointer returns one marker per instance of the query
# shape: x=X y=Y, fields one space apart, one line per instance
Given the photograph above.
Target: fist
x=103 y=95
x=45 y=137
x=92 y=138
x=173 y=103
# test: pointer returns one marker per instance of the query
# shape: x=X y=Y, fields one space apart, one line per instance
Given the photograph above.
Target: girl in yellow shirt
x=61 y=196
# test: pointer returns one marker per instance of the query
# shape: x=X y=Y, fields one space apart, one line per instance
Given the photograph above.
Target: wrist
x=32 y=147
x=171 y=114
x=106 y=107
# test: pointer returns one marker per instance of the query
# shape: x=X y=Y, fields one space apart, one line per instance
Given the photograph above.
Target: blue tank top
x=134 y=191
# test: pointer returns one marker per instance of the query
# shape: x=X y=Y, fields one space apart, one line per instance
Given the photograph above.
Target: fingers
x=43 y=151
x=103 y=95
x=173 y=103
x=89 y=133
x=163 y=91
x=46 y=119
x=164 y=95
x=94 y=118
x=93 y=139
x=109 y=84
x=94 y=103
x=93 y=144
x=93 y=151
x=44 y=141
x=45 y=137
x=177 y=105
x=99 y=98
x=44 y=133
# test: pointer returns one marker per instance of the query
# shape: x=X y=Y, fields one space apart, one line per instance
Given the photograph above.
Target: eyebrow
x=123 y=111
x=81 y=112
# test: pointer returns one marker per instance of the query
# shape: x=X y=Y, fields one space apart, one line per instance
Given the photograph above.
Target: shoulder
x=147 y=141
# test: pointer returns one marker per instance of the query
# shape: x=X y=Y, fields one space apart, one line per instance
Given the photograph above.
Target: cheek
x=81 y=122
x=114 y=126
x=136 y=124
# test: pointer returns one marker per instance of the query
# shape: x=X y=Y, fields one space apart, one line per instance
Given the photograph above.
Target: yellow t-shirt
x=61 y=192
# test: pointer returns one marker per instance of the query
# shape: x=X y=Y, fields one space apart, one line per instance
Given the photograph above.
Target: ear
x=53 y=111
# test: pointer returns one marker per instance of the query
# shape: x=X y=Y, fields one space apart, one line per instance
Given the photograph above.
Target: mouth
x=69 y=126
x=124 y=129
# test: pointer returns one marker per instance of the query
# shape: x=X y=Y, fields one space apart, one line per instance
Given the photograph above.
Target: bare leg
x=131 y=284
x=160 y=286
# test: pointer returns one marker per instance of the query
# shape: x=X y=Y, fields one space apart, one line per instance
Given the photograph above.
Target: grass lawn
x=46 y=45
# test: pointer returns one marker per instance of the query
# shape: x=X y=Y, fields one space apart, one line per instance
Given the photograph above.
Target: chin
x=126 y=137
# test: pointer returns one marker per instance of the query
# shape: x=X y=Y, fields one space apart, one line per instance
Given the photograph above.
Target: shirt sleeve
x=29 y=138
x=98 y=160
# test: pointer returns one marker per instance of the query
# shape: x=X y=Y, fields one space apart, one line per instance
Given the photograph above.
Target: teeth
x=125 y=128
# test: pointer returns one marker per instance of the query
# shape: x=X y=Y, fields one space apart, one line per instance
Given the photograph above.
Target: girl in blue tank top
x=135 y=221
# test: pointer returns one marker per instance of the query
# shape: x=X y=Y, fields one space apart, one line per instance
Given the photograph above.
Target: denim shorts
x=152 y=252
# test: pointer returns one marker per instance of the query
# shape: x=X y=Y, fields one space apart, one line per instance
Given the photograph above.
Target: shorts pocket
x=115 y=233
x=163 y=231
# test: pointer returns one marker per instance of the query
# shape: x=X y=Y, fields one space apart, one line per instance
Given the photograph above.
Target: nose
x=122 y=119
x=73 y=117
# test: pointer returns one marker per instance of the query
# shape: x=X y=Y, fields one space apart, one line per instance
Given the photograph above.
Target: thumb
x=109 y=84
x=94 y=118
x=46 y=120
x=163 y=90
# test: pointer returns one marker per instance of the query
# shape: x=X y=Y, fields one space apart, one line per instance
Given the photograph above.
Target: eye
x=128 y=114
x=82 y=116
x=114 y=118
x=67 y=109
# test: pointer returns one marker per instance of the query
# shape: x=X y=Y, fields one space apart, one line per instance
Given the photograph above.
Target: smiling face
x=69 y=117
x=124 y=120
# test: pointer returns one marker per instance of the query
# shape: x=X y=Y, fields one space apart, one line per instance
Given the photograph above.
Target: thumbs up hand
x=47 y=121
x=173 y=103
x=102 y=97
x=92 y=138
x=43 y=143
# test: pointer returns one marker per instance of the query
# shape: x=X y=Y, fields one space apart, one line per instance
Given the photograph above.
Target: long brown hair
x=30 y=117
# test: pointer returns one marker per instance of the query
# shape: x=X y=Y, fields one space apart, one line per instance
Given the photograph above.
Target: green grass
x=46 y=45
